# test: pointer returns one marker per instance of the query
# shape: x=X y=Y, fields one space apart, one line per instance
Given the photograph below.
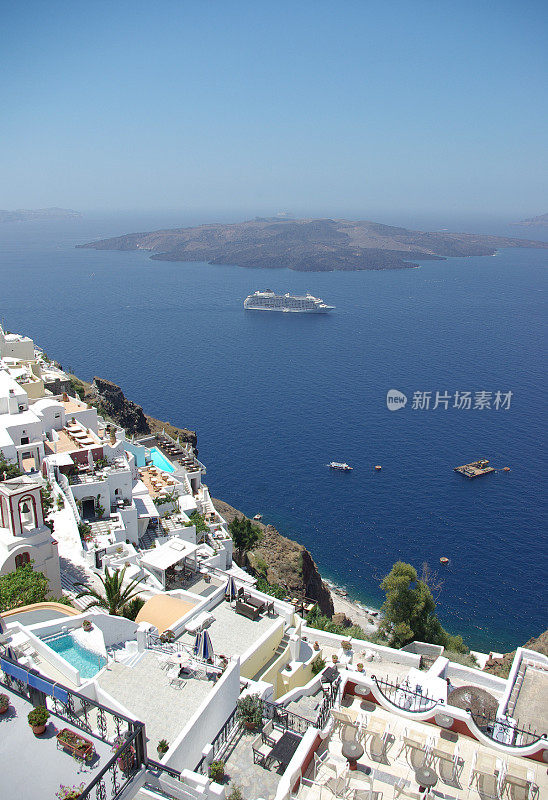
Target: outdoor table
x=352 y=751
x=426 y=777
x=284 y=749
x=253 y=601
x=330 y=674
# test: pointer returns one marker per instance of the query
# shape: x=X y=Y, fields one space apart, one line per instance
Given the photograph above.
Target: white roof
x=22 y=418
x=145 y=506
x=61 y=460
x=168 y=554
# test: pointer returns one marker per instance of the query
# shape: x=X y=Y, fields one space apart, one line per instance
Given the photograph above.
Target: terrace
x=232 y=634
x=114 y=756
x=159 y=483
x=146 y=690
x=393 y=750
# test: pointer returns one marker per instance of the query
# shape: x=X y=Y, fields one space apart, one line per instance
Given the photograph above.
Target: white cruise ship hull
x=286 y=303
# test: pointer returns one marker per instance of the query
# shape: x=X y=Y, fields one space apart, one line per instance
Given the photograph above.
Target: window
x=22 y=558
x=25 y=440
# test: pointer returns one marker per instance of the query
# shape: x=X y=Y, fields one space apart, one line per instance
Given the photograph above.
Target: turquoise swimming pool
x=86 y=662
x=159 y=460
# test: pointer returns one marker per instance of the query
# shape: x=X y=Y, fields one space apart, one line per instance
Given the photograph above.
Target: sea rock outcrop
x=289 y=564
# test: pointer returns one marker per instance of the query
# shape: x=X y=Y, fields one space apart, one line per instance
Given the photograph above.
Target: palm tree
x=114 y=598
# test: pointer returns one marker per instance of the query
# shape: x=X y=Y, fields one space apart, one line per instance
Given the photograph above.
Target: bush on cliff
x=245 y=536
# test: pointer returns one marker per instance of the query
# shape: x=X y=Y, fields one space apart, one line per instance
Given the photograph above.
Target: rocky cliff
x=501 y=666
x=110 y=400
x=289 y=564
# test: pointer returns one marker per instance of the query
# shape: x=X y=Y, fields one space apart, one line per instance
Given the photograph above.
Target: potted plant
x=162 y=747
x=4 y=703
x=334 y=658
x=70 y=792
x=217 y=771
x=38 y=719
x=346 y=645
x=360 y=666
x=250 y=711
x=125 y=759
x=86 y=625
x=316 y=646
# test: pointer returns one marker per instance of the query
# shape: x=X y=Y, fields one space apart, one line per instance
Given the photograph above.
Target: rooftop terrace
x=232 y=634
x=390 y=761
x=33 y=766
x=145 y=690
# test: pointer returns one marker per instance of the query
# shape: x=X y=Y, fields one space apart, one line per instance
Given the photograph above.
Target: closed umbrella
x=197 y=643
x=230 y=591
x=205 y=651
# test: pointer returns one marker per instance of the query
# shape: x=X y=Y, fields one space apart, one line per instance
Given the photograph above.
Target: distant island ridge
x=534 y=222
x=26 y=214
x=309 y=245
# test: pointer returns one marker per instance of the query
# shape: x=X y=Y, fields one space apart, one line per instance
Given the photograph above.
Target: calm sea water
x=275 y=397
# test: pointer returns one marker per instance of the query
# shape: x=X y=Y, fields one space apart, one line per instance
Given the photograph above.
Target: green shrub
x=317 y=665
x=38 y=716
x=217 y=771
x=250 y=709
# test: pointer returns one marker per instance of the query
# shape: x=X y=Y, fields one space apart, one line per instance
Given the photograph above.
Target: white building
x=23 y=535
x=14 y=345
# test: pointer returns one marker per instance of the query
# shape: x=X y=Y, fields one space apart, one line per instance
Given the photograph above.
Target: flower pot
x=316 y=646
x=335 y=659
x=360 y=667
x=38 y=730
x=3 y=709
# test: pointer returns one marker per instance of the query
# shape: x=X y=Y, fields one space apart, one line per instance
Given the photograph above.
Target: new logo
x=395 y=400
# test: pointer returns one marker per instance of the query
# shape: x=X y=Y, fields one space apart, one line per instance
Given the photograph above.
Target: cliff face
x=129 y=415
x=289 y=564
x=501 y=666
x=124 y=412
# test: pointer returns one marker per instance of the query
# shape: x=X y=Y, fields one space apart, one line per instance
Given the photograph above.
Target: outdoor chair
x=518 y=781
x=403 y=789
x=261 y=750
x=485 y=776
x=350 y=733
x=364 y=788
x=414 y=748
x=269 y=734
x=447 y=754
x=337 y=781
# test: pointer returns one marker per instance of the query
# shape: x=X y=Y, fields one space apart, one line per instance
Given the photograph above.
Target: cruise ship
x=299 y=304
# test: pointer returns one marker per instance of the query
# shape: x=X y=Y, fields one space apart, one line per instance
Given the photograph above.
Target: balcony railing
x=505 y=730
x=218 y=743
x=405 y=698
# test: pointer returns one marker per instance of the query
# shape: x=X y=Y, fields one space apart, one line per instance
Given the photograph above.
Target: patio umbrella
x=205 y=650
x=230 y=591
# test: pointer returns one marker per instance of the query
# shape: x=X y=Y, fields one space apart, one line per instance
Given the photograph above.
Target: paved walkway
x=253 y=780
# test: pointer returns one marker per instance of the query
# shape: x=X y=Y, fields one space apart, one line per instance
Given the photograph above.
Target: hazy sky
x=314 y=107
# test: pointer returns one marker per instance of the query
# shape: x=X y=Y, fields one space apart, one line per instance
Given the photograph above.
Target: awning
x=35 y=681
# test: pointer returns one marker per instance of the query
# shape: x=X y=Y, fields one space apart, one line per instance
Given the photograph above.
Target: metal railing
x=285 y=719
x=121 y=769
x=330 y=696
x=80 y=711
x=505 y=730
x=405 y=698
x=219 y=742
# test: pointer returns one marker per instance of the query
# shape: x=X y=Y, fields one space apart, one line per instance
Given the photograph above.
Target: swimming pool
x=159 y=460
x=86 y=661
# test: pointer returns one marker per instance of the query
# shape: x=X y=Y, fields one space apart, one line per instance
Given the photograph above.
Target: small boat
x=258 y=517
x=444 y=560
x=340 y=465
x=378 y=467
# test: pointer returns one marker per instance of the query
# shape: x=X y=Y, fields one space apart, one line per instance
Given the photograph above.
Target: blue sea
x=276 y=397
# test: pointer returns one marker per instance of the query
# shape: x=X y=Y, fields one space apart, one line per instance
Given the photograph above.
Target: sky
x=308 y=107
